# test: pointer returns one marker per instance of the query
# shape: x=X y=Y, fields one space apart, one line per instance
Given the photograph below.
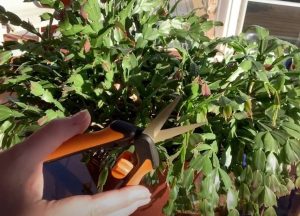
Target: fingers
x=113 y=203
x=125 y=200
x=40 y=144
x=131 y=208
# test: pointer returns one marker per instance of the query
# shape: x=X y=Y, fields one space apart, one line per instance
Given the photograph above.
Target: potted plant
x=113 y=58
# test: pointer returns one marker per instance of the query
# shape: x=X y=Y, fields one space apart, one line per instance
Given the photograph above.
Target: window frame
x=232 y=14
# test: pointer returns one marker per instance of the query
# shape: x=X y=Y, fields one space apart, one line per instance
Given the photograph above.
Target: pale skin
x=21 y=179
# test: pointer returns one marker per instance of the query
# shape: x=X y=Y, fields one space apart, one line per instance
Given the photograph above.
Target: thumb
x=43 y=142
x=120 y=202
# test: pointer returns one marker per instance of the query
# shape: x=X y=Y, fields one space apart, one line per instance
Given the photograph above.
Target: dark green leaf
x=2 y=10
x=267 y=197
x=126 y=12
x=233 y=212
x=188 y=177
x=216 y=163
x=246 y=65
x=259 y=159
x=291 y=126
x=203 y=147
x=224 y=101
x=228 y=157
x=29 y=27
x=46 y=16
x=225 y=179
x=207 y=207
x=272 y=163
x=214 y=146
x=5 y=56
x=270 y=212
x=290 y=185
x=195 y=89
x=244 y=192
x=272 y=182
x=145 y=5
x=77 y=81
x=150 y=33
x=170 y=207
x=258 y=140
x=36 y=89
x=298 y=170
x=198 y=162
x=47 y=96
x=262 y=76
x=48 y=2
x=290 y=155
x=26 y=107
x=6 y=113
x=256 y=193
x=19 y=79
x=282 y=191
x=295 y=144
x=195 y=139
x=257 y=179
x=129 y=62
x=53 y=114
x=270 y=143
x=141 y=42
x=232 y=199
x=92 y=8
x=102 y=178
x=297 y=183
x=208 y=136
x=206 y=165
x=261 y=32
x=247 y=175
x=13 y=18
x=279 y=83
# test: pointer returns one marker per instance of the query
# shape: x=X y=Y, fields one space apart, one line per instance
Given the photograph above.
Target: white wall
x=27 y=11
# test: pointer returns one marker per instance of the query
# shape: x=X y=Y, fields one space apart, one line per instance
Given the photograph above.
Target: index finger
x=43 y=142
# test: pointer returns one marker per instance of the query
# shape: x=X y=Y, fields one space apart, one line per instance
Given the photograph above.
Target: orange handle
x=128 y=178
x=85 y=141
x=123 y=166
x=145 y=168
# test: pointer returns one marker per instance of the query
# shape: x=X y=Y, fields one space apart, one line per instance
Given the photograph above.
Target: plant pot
x=160 y=195
x=160 y=192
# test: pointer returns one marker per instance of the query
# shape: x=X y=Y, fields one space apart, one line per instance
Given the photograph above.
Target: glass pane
x=282 y=21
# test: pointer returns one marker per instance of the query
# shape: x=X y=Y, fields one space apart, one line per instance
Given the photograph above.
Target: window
x=280 y=17
x=283 y=21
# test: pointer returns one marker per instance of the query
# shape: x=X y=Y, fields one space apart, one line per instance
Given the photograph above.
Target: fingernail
x=80 y=112
x=80 y=120
x=80 y=115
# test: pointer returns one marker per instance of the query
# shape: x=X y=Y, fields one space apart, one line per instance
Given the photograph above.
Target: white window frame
x=232 y=14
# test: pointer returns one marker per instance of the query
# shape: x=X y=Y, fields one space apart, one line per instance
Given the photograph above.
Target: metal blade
x=172 y=132
x=156 y=124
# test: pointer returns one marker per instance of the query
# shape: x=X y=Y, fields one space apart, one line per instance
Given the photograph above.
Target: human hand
x=21 y=178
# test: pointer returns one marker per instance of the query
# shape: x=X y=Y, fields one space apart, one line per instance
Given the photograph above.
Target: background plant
x=114 y=59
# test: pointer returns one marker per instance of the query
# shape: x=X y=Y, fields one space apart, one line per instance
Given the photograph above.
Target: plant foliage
x=116 y=59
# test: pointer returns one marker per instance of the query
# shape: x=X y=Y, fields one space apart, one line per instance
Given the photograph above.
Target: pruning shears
x=130 y=167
